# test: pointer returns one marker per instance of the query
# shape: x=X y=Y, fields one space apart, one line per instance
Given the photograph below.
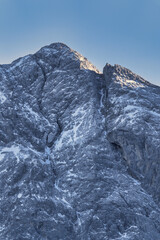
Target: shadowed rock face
x=79 y=150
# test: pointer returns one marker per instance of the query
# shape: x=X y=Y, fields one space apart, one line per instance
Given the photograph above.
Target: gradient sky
x=126 y=32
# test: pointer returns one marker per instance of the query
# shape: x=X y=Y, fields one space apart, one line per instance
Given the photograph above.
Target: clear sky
x=126 y=32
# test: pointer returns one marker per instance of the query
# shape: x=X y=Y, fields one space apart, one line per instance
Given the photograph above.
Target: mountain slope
x=79 y=150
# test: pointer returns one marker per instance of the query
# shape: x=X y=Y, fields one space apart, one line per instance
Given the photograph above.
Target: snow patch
x=15 y=150
x=61 y=215
x=48 y=51
x=65 y=137
x=2 y=97
x=18 y=63
x=155 y=113
x=2 y=156
x=78 y=111
x=129 y=83
x=46 y=156
x=71 y=174
x=101 y=99
x=30 y=110
x=64 y=202
x=59 y=71
x=19 y=195
x=74 y=135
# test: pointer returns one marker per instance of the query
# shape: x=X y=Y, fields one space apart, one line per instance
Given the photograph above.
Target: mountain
x=79 y=150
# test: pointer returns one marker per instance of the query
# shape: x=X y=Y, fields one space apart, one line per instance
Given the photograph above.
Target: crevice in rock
x=121 y=195
x=117 y=147
x=40 y=97
x=60 y=126
x=52 y=136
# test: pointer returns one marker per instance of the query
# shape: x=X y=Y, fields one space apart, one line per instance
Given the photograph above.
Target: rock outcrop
x=79 y=150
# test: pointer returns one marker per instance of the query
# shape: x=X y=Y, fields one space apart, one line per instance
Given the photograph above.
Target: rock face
x=79 y=150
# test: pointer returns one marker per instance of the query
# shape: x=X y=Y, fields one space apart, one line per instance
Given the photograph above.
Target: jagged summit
x=79 y=150
x=121 y=74
x=64 y=55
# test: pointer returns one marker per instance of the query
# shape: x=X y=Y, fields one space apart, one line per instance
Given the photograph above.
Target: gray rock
x=79 y=150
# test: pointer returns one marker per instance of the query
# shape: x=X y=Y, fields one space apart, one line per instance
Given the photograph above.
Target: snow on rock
x=79 y=150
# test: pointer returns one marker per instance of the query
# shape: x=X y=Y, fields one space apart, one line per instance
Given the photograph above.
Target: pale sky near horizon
x=125 y=32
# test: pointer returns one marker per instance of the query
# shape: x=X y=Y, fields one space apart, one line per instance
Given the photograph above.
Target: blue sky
x=126 y=32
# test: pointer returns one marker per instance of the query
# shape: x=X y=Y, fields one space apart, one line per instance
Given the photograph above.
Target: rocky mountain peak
x=79 y=150
x=66 y=55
